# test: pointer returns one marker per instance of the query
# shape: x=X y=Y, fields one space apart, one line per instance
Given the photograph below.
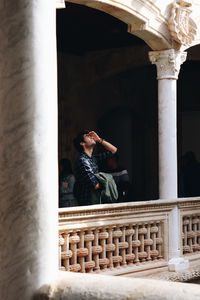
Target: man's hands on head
x=95 y=136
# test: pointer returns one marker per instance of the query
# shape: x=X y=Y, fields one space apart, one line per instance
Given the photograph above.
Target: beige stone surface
x=93 y=287
x=192 y=273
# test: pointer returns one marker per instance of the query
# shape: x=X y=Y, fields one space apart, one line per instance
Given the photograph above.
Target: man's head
x=84 y=141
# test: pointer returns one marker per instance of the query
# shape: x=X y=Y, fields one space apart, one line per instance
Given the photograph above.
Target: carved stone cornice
x=182 y=28
x=168 y=62
x=60 y=4
x=113 y=210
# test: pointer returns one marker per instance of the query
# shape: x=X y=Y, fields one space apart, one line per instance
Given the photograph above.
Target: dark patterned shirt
x=85 y=169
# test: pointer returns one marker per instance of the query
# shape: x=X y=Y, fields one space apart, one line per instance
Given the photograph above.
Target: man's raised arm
x=108 y=146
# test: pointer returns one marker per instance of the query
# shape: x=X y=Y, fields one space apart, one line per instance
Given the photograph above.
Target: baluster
x=148 y=242
x=117 y=259
x=190 y=234
x=66 y=254
x=96 y=250
x=74 y=240
x=60 y=245
x=185 y=235
x=154 y=252
x=194 y=222
x=136 y=244
x=198 y=232
x=82 y=252
x=110 y=247
x=142 y=254
x=103 y=261
x=194 y=230
x=89 y=264
x=159 y=241
x=130 y=256
x=123 y=245
x=186 y=247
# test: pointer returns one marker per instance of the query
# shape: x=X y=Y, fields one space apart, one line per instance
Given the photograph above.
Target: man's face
x=88 y=140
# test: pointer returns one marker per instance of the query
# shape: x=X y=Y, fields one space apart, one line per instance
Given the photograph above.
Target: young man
x=87 y=164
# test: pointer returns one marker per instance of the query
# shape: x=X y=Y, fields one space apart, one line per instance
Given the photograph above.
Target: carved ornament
x=168 y=62
x=182 y=28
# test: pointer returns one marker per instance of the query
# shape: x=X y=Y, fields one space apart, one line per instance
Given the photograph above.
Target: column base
x=177 y=264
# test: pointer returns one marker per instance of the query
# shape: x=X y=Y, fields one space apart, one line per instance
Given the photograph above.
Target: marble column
x=28 y=147
x=168 y=64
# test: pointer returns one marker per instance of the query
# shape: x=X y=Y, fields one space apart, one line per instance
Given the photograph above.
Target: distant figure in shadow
x=190 y=175
x=121 y=177
x=66 y=184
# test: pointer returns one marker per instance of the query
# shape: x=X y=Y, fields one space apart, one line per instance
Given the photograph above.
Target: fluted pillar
x=168 y=64
x=28 y=147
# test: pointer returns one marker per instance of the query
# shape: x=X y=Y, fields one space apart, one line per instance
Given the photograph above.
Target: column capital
x=168 y=62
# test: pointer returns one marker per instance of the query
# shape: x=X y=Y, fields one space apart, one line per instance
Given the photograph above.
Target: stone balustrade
x=122 y=238
x=191 y=233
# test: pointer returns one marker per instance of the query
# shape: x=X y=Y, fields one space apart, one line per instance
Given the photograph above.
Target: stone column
x=175 y=261
x=168 y=64
x=28 y=147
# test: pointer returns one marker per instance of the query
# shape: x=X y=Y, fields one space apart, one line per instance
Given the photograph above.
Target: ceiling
x=82 y=29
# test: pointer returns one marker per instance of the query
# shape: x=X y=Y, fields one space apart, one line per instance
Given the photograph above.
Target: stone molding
x=124 y=211
x=60 y=4
x=96 y=211
x=168 y=62
x=182 y=28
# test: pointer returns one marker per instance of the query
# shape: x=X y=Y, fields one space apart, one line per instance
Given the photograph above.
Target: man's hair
x=79 y=139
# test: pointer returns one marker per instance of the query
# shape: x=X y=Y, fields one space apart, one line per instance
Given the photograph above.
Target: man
x=87 y=164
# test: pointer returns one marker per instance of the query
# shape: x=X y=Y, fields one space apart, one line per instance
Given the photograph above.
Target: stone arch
x=144 y=19
x=154 y=22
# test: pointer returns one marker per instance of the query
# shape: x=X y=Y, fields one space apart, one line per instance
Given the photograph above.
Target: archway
x=104 y=74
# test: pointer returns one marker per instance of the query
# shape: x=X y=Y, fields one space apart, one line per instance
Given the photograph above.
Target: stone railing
x=123 y=238
x=191 y=233
x=190 y=224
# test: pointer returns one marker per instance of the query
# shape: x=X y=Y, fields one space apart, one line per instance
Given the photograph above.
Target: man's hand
x=97 y=186
x=104 y=143
x=95 y=136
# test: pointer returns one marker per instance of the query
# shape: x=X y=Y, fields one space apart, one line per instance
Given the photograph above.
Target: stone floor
x=191 y=275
